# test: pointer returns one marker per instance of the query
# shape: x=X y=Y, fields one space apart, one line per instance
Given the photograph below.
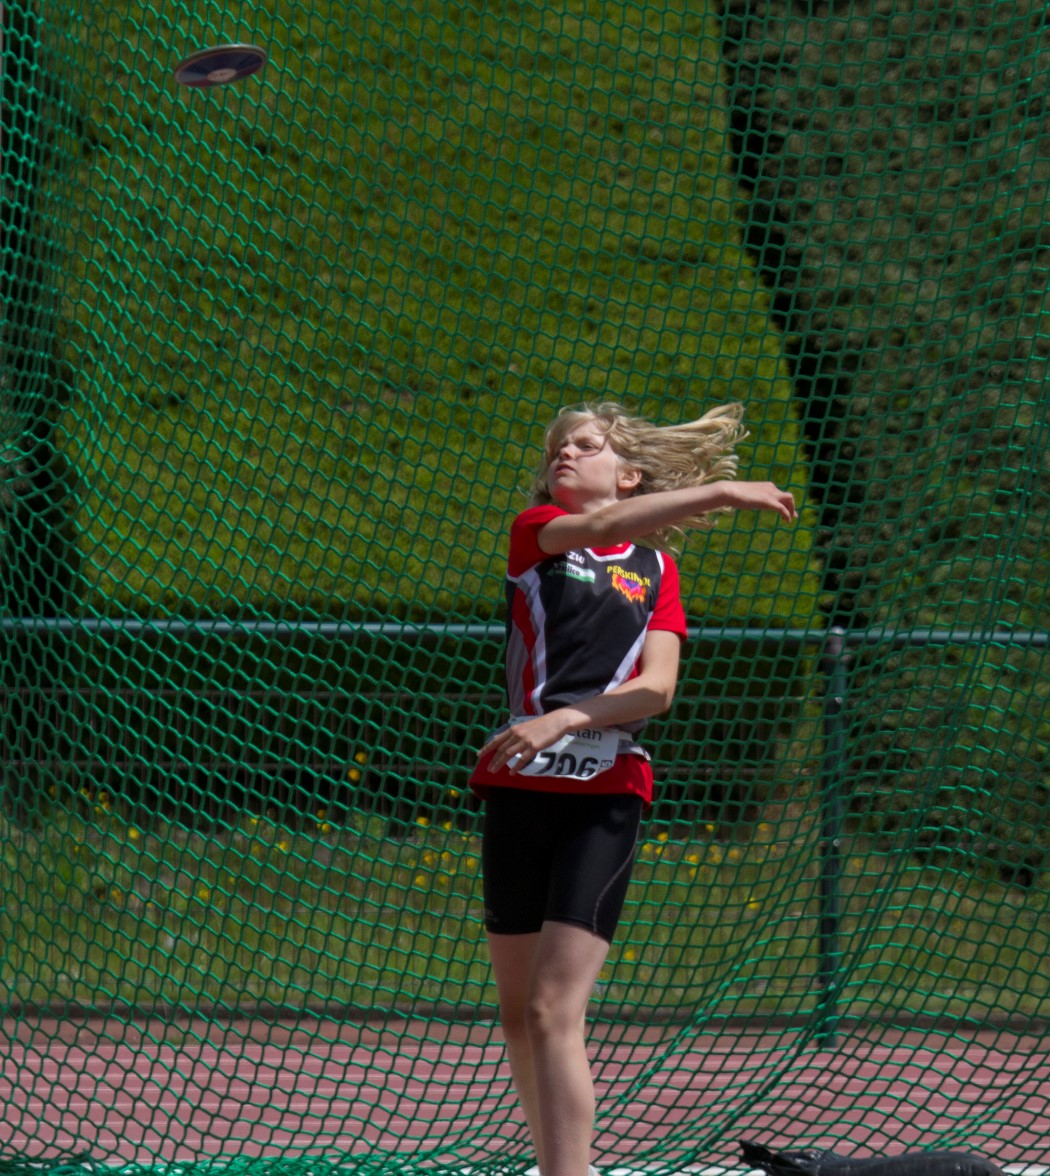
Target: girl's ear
x=628 y=479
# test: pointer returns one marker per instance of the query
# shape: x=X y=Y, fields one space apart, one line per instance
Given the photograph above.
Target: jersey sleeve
x=669 y=614
x=525 y=550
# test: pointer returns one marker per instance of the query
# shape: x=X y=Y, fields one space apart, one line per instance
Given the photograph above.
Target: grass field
x=101 y=912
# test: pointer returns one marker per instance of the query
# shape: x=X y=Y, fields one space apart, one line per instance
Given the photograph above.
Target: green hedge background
x=323 y=315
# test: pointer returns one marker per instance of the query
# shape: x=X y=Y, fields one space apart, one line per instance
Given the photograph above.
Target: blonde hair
x=667 y=456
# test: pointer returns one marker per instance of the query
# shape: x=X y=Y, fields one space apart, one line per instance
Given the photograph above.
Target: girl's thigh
x=549 y=857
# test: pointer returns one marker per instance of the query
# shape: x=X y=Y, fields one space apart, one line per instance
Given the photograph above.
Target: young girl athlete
x=594 y=629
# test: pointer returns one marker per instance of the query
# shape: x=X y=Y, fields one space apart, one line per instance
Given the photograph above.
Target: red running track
x=153 y=1092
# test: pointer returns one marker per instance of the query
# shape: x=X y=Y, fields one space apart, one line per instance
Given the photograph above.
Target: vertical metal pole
x=833 y=664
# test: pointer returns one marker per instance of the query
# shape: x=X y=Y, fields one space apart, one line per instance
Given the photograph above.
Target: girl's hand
x=761 y=496
x=519 y=744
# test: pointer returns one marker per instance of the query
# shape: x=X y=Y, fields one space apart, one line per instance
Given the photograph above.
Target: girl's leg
x=556 y=873
x=568 y=961
x=544 y=988
x=513 y=957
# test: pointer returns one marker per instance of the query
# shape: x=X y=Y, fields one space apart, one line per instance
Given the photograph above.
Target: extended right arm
x=642 y=514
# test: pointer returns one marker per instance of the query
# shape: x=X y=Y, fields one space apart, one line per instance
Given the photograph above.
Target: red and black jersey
x=576 y=624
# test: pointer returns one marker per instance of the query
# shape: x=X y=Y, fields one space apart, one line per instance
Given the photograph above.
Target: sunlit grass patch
x=101 y=912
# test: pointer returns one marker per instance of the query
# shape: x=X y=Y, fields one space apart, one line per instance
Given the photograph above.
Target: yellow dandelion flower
x=354 y=776
x=471 y=863
x=692 y=859
x=326 y=828
x=630 y=954
x=734 y=854
x=764 y=831
x=423 y=822
x=421 y=879
x=134 y=834
x=661 y=837
x=284 y=845
x=203 y=893
x=454 y=793
x=361 y=757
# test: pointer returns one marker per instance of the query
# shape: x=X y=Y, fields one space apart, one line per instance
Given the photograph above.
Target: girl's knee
x=545 y=1018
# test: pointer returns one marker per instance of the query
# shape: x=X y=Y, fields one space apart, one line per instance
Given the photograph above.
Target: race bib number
x=579 y=755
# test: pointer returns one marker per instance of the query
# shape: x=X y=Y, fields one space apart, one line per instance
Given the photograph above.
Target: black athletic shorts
x=566 y=858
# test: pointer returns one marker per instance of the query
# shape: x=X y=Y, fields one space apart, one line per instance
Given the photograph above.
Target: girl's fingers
x=500 y=749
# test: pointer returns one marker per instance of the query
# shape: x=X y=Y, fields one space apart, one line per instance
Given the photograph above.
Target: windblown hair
x=667 y=456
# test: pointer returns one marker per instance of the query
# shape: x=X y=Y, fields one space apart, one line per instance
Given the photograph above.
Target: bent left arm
x=649 y=693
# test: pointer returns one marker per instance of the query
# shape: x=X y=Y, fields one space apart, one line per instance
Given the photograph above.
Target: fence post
x=833 y=665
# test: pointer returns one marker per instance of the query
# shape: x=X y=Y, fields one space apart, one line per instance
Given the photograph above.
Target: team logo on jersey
x=573 y=572
x=630 y=584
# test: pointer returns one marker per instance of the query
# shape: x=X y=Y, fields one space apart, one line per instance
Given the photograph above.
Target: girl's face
x=585 y=472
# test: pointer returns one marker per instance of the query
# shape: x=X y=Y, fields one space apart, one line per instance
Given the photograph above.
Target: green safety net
x=277 y=356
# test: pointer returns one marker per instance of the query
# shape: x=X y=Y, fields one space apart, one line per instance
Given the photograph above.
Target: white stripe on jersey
x=530 y=584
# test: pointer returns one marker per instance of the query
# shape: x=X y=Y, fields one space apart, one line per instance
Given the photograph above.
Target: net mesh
x=276 y=359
